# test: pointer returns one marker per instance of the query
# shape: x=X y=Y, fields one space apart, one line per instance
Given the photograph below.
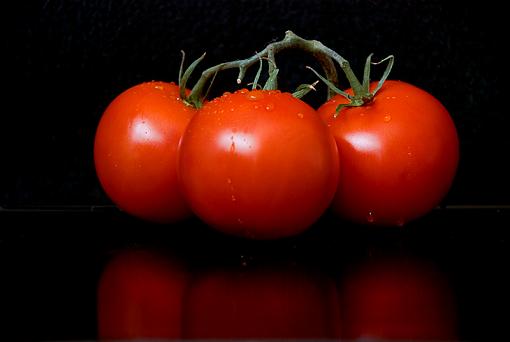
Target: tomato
x=258 y=164
x=399 y=154
x=262 y=303
x=397 y=299
x=140 y=295
x=136 y=148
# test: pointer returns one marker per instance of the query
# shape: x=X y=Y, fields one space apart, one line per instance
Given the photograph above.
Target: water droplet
x=409 y=154
x=393 y=97
x=242 y=91
x=231 y=109
x=387 y=118
x=256 y=106
x=229 y=180
x=244 y=262
x=252 y=97
x=269 y=106
x=158 y=86
x=300 y=115
x=240 y=221
x=226 y=93
x=370 y=217
x=233 y=198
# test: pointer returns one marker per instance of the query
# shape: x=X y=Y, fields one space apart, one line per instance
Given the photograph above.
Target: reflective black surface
x=449 y=267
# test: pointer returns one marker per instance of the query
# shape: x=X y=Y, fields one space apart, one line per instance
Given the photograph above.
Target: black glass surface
x=455 y=258
x=60 y=234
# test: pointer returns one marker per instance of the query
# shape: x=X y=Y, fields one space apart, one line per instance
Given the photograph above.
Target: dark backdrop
x=66 y=60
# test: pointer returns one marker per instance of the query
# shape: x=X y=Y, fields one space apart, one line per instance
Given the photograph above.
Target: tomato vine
x=325 y=55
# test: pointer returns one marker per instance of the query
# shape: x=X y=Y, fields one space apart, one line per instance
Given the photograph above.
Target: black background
x=64 y=61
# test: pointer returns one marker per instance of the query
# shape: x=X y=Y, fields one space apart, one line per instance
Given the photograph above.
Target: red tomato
x=258 y=164
x=403 y=300
x=135 y=151
x=140 y=295
x=262 y=303
x=399 y=154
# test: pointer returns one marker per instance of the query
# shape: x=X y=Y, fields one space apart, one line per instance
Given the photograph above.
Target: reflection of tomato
x=135 y=151
x=261 y=303
x=396 y=299
x=258 y=164
x=140 y=296
x=399 y=155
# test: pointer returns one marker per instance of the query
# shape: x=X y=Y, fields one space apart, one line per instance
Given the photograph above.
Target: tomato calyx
x=184 y=75
x=362 y=94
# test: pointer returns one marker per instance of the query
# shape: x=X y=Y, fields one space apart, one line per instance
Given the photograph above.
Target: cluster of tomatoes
x=264 y=164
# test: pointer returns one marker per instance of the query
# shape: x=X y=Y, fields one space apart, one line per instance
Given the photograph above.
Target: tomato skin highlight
x=135 y=151
x=399 y=155
x=258 y=164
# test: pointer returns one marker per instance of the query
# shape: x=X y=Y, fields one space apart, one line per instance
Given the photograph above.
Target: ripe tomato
x=399 y=154
x=262 y=303
x=397 y=299
x=258 y=164
x=135 y=151
x=140 y=295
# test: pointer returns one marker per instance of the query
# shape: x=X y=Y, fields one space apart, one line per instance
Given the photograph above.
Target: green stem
x=325 y=55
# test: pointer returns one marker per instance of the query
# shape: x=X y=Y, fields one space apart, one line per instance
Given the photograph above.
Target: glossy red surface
x=399 y=155
x=259 y=164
